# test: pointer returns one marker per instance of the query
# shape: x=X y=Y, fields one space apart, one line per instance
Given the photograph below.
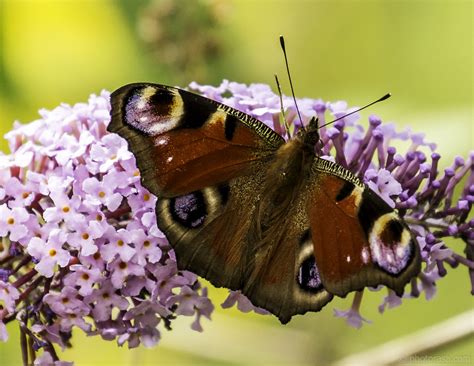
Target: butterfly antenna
x=285 y=122
x=385 y=97
x=282 y=44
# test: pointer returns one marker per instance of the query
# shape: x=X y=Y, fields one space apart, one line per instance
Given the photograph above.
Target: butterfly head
x=309 y=135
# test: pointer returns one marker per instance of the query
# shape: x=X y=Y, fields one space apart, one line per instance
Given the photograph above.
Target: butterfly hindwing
x=369 y=246
x=285 y=278
x=208 y=229
x=184 y=142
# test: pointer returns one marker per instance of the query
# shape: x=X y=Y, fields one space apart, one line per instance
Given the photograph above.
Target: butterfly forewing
x=184 y=142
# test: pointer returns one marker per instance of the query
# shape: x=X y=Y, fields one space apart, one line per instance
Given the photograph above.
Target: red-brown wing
x=359 y=240
x=205 y=161
x=184 y=142
x=285 y=278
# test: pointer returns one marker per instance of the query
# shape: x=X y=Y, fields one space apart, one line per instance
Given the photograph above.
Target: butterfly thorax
x=279 y=203
x=284 y=180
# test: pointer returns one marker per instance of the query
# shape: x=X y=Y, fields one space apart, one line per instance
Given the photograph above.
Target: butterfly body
x=248 y=211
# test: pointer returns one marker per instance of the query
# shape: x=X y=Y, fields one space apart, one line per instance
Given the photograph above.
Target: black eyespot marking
x=345 y=191
x=305 y=237
x=195 y=111
x=392 y=233
x=308 y=276
x=396 y=228
x=371 y=208
x=224 y=191
x=162 y=101
x=230 y=126
x=190 y=210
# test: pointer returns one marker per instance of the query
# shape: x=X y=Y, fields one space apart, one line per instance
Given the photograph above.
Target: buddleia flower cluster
x=79 y=244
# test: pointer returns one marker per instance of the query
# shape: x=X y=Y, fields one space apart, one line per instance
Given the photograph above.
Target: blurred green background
x=421 y=51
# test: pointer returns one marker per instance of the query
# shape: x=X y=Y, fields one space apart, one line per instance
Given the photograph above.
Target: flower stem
x=24 y=347
x=25 y=278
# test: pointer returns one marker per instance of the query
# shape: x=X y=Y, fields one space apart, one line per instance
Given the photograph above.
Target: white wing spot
x=365 y=255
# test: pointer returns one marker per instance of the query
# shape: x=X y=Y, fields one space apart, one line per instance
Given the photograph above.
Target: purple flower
x=147 y=249
x=105 y=154
x=102 y=192
x=145 y=317
x=3 y=332
x=352 y=316
x=75 y=318
x=121 y=270
x=23 y=194
x=49 y=253
x=65 y=301
x=8 y=295
x=390 y=301
x=104 y=300
x=12 y=222
x=84 y=278
x=168 y=280
x=190 y=303
x=243 y=303
x=84 y=235
x=64 y=209
x=384 y=184
x=47 y=360
x=117 y=245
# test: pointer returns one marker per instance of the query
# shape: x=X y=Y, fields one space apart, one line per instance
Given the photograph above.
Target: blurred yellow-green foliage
x=421 y=51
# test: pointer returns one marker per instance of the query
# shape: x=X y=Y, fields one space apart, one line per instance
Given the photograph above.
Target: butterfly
x=248 y=211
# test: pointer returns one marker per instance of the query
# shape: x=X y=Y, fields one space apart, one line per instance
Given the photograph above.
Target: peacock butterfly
x=248 y=211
